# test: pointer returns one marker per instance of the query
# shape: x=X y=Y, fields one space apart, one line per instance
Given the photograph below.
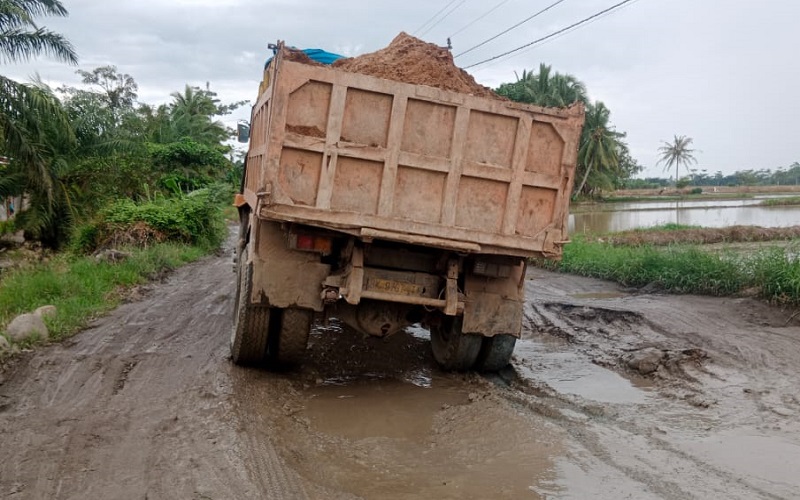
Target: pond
x=612 y=217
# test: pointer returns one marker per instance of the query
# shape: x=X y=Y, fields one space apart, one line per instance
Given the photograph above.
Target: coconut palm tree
x=600 y=146
x=545 y=88
x=677 y=153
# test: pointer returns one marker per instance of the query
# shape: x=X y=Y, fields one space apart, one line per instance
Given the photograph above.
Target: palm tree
x=22 y=107
x=545 y=88
x=677 y=153
x=31 y=117
x=192 y=115
x=600 y=146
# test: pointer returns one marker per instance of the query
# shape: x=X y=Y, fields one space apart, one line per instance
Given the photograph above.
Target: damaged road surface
x=611 y=395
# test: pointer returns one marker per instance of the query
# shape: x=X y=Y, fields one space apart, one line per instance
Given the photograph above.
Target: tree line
x=74 y=149
x=781 y=176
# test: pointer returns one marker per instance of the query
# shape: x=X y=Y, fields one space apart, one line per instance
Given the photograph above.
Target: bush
x=696 y=190
x=193 y=219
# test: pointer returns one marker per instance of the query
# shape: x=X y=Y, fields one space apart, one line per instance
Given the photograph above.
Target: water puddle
x=392 y=439
x=556 y=363
x=754 y=456
x=379 y=408
x=598 y=295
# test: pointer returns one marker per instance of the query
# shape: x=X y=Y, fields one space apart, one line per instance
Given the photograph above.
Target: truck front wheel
x=452 y=349
x=250 y=322
x=495 y=353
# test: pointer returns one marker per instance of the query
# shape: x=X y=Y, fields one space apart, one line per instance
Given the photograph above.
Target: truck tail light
x=323 y=245
x=305 y=242
x=310 y=243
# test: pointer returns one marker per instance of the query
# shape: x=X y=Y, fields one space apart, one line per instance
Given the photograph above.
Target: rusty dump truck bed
x=386 y=160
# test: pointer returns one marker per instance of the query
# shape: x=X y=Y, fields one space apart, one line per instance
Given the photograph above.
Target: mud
x=306 y=130
x=145 y=404
x=411 y=60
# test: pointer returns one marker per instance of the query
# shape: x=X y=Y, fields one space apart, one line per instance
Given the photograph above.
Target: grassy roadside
x=781 y=202
x=770 y=273
x=83 y=288
x=159 y=235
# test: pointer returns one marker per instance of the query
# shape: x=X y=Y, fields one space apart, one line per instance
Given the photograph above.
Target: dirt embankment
x=611 y=395
x=704 y=236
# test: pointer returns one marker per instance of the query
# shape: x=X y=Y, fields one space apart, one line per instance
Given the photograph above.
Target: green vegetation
x=781 y=176
x=192 y=219
x=604 y=160
x=98 y=169
x=774 y=273
x=781 y=202
x=82 y=288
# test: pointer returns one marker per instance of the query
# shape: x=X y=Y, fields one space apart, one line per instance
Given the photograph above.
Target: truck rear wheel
x=452 y=349
x=251 y=322
x=288 y=347
x=495 y=353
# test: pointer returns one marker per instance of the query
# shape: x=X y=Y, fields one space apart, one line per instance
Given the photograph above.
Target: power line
x=559 y=35
x=551 y=35
x=480 y=17
x=443 y=17
x=451 y=2
x=511 y=28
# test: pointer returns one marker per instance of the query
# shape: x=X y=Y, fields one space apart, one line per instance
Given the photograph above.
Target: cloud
x=722 y=73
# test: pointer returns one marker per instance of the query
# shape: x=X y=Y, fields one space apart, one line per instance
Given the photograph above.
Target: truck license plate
x=396 y=287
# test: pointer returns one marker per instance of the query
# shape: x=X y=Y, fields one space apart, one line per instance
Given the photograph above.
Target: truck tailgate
x=390 y=160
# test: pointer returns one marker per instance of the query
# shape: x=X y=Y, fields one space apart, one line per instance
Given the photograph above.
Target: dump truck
x=386 y=204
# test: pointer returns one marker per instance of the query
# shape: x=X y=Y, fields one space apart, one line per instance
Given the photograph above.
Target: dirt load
x=146 y=404
x=411 y=60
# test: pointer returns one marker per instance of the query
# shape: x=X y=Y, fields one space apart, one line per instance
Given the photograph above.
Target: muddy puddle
x=598 y=295
x=555 y=363
x=380 y=408
x=384 y=422
x=770 y=460
x=393 y=439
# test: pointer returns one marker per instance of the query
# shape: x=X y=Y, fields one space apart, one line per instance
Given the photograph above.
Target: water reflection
x=722 y=213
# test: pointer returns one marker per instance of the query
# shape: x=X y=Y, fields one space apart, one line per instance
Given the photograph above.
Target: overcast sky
x=725 y=73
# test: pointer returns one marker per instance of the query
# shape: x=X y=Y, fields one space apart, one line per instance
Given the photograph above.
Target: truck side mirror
x=242 y=132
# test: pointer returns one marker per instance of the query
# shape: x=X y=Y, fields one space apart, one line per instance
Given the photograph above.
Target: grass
x=83 y=288
x=672 y=234
x=773 y=273
x=781 y=202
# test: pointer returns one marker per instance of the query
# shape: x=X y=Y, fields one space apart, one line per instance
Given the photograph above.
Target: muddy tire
x=452 y=349
x=288 y=348
x=250 y=322
x=495 y=353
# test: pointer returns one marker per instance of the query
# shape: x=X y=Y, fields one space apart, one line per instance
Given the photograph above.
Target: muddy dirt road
x=145 y=404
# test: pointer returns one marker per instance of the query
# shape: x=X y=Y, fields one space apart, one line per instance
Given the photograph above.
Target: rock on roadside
x=46 y=312
x=25 y=326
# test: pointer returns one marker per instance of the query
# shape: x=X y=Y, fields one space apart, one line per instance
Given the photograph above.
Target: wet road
x=145 y=404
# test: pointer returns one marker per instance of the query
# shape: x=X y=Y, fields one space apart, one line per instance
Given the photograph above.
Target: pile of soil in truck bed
x=411 y=60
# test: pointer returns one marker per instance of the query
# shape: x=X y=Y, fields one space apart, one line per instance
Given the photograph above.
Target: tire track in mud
x=603 y=331
x=146 y=404
x=140 y=405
